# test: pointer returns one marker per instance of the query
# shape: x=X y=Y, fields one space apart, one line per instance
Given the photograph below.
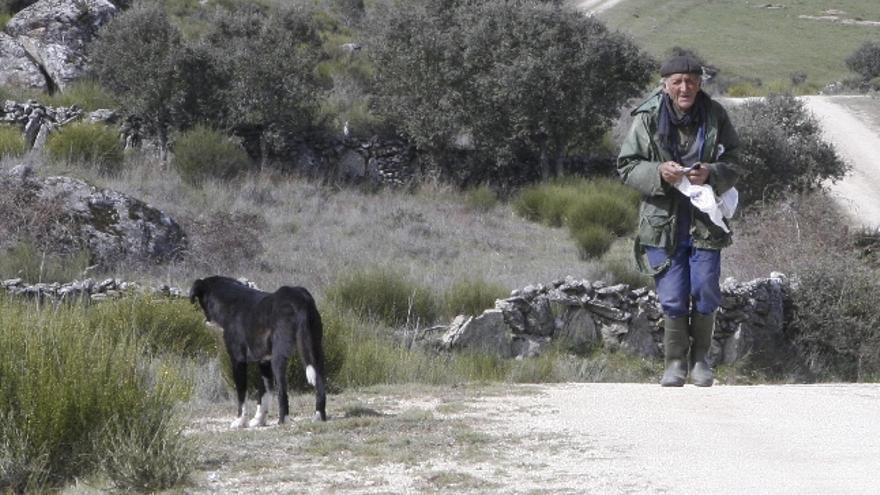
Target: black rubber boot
x=702 y=327
x=675 y=347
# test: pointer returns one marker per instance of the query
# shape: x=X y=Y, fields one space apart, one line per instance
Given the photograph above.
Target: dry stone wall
x=578 y=314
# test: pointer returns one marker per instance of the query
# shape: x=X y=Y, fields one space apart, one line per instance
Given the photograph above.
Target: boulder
x=54 y=33
x=16 y=69
x=486 y=333
x=71 y=214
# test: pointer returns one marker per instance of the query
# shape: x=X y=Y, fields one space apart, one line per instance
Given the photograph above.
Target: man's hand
x=671 y=172
x=699 y=175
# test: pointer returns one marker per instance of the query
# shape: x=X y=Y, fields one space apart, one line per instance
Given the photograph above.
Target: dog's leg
x=263 y=385
x=239 y=375
x=279 y=368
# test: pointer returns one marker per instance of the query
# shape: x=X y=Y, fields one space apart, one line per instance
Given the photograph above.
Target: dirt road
x=848 y=123
x=561 y=439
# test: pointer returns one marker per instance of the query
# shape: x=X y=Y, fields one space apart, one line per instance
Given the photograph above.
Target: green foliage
x=144 y=451
x=165 y=326
x=27 y=261
x=66 y=375
x=782 y=150
x=271 y=57
x=592 y=240
x=11 y=141
x=836 y=319
x=135 y=58
x=87 y=94
x=202 y=153
x=94 y=145
x=472 y=297
x=604 y=208
x=481 y=199
x=594 y=211
x=866 y=60
x=524 y=80
x=384 y=295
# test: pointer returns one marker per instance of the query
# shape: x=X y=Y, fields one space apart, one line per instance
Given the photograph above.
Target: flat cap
x=681 y=64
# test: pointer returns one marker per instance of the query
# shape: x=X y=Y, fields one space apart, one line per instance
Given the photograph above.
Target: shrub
x=66 y=375
x=87 y=94
x=223 y=241
x=835 y=319
x=165 y=326
x=582 y=205
x=605 y=209
x=481 y=199
x=384 y=295
x=592 y=240
x=472 y=297
x=90 y=144
x=11 y=141
x=866 y=60
x=26 y=260
x=202 y=153
x=526 y=80
x=144 y=451
x=782 y=150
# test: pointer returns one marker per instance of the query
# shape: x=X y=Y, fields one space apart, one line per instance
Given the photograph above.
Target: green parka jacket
x=638 y=165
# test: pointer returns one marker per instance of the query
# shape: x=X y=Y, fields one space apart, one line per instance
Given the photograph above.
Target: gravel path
x=635 y=438
x=857 y=142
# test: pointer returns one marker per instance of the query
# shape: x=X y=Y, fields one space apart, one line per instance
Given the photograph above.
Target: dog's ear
x=196 y=290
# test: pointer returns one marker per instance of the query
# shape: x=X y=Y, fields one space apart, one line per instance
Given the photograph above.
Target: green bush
x=202 y=153
x=481 y=199
x=385 y=296
x=87 y=94
x=165 y=326
x=546 y=203
x=472 y=297
x=592 y=240
x=66 y=375
x=605 y=209
x=144 y=451
x=94 y=145
x=28 y=262
x=593 y=210
x=11 y=141
x=836 y=319
x=782 y=150
x=866 y=60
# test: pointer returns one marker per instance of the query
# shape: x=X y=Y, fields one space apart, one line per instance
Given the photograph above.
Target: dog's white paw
x=259 y=418
x=317 y=417
x=239 y=422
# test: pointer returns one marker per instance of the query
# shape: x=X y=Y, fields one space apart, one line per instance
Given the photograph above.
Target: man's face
x=683 y=89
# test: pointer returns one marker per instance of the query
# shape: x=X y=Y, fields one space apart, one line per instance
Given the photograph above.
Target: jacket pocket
x=655 y=223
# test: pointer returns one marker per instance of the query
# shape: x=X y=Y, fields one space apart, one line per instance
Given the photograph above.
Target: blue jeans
x=693 y=276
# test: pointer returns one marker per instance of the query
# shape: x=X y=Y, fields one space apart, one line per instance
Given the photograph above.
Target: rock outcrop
x=71 y=214
x=53 y=35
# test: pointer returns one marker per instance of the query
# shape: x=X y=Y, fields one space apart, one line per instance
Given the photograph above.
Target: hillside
x=752 y=39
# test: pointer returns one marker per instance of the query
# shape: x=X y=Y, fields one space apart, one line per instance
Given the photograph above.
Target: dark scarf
x=668 y=122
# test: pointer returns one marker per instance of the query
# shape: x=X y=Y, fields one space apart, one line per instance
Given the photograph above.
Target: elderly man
x=680 y=132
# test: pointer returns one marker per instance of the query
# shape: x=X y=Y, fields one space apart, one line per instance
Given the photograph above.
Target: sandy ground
x=590 y=439
x=623 y=438
x=858 y=143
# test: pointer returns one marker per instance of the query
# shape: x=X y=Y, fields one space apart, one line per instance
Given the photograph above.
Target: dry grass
x=311 y=233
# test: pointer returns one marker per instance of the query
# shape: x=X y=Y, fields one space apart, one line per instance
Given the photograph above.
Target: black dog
x=261 y=327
